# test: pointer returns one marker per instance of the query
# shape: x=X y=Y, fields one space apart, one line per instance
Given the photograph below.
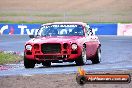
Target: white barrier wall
x=124 y=29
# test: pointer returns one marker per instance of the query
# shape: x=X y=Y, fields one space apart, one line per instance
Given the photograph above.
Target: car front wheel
x=82 y=58
x=29 y=63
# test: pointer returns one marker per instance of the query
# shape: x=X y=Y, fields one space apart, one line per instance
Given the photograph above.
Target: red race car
x=62 y=42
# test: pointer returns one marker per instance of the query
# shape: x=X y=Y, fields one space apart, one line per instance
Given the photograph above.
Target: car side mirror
x=31 y=36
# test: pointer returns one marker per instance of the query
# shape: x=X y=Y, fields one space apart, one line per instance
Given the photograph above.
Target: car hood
x=58 y=39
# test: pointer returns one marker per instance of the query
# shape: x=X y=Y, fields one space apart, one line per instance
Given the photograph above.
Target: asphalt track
x=116 y=55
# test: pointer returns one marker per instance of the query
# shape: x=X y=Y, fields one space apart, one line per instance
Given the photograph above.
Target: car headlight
x=28 y=47
x=74 y=46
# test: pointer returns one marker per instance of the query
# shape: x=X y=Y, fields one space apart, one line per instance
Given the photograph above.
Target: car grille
x=51 y=48
x=47 y=57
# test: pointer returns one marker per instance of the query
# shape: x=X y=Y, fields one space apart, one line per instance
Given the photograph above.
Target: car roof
x=80 y=23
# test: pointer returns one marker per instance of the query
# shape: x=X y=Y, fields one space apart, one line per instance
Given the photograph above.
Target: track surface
x=116 y=55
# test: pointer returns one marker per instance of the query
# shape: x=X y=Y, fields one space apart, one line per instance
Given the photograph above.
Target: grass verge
x=6 y=58
x=43 y=22
x=28 y=22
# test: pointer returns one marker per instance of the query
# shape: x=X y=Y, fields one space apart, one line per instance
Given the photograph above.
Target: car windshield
x=62 y=30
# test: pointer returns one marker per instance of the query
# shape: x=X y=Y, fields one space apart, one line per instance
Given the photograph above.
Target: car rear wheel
x=97 y=58
x=29 y=63
x=82 y=58
x=46 y=63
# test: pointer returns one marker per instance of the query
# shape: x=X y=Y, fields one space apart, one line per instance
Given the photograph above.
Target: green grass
x=42 y=22
x=29 y=14
x=9 y=58
x=29 y=22
x=17 y=22
x=46 y=17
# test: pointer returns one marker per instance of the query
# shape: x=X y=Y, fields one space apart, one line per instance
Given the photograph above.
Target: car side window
x=89 y=30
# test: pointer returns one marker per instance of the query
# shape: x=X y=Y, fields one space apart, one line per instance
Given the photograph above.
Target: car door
x=91 y=43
